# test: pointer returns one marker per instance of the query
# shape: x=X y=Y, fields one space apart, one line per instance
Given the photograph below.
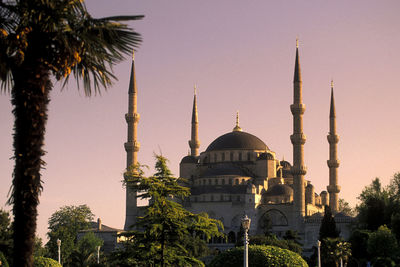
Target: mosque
x=239 y=174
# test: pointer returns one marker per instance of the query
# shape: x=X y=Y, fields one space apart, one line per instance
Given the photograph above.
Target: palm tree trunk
x=30 y=98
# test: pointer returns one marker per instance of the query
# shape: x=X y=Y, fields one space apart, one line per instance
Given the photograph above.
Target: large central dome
x=237 y=140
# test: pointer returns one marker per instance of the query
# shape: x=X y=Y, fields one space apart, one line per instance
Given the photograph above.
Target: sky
x=240 y=54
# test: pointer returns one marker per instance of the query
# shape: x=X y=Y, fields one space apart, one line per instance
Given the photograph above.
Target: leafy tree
x=166 y=225
x=374 y=206
x=6 y=245
x=344 y=207
x=292 y=235
x=64 y=224
x=41 y=40
x=45 y=262
x=382 y=243
x=85 y=252
x=359 y=244
x=39 y=249
x=258 y=256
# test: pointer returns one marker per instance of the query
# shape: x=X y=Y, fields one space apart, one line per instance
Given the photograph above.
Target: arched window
x=209 y=181
x=231 y=156
x=240 y=156
x=223 y=157
x=215 y=157
x=223 y=181
x=248 y=156
x=230 y=181
x=236 y=181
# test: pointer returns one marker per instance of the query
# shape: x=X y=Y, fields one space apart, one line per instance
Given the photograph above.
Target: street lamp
x=246 y=226
x=59 y=250
x=319 y=253
x=98 y=254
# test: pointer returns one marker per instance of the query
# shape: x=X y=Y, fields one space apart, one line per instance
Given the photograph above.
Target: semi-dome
x=189 y=159
x=279 y=190
x=237 y=140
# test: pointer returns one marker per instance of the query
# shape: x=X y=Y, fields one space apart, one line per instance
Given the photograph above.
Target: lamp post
x=319 y=253
x=59 y=250
x=98 y=254
x=246 y=226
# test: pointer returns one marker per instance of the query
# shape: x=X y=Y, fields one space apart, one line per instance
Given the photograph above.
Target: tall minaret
x=333 y=162
x=298 y=139
x=194 y=142
x=131 y=146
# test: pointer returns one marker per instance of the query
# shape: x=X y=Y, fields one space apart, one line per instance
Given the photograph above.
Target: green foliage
x=345 y=208
x=64 y=224
x=85 y=252
x=6 y=232
x=328 y=225
x=39 y=250
x=374 y=206
x=382 y=243
x=333 y=250
x=359 y=244
x=272 y=240
x=3 y=260
x=45 y=262
x=258 y=256
x=166 y=228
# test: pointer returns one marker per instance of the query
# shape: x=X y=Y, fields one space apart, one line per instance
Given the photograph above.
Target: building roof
x=237 y=141
x=94 y=227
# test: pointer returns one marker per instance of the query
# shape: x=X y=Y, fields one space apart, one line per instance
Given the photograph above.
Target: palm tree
x=39 y=40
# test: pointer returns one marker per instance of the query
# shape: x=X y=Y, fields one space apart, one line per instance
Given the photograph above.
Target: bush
x=259 y=256
x=3 y=260
x=274 y=241
x=45 y=262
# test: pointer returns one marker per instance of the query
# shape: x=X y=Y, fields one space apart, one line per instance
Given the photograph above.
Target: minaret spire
x=298 y=140
x=131 y=146
x=237 y=127
x=194 y=142
x=333 y=162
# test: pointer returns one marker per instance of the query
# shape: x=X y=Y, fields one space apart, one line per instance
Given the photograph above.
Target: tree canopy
x=6 y=245
x=165 y=232
x=64 y=224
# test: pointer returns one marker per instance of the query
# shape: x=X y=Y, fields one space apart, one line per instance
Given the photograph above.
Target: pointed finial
x=332 y=112
x=133 y=54
x=283 y=158
x=237 y=127
x=195 y=89
x=332 y=83
x=297 y=42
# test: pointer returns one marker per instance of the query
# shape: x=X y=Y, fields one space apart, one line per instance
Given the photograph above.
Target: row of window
x=220 y=181
x=216 y=198
x=223 y=156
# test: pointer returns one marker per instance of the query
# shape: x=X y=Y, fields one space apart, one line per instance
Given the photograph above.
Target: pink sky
x=241 y=56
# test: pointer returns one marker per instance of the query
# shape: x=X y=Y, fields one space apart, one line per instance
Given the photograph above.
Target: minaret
x=131 y=147
x=333 y=162
x=194 y=142
x=298 y=140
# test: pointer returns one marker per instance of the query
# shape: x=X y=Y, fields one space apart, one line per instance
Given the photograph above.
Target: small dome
x=279 y=190
x=285 y=165
x=323 y=193
x=237 y=140
x=189 y=159
x=310 y=186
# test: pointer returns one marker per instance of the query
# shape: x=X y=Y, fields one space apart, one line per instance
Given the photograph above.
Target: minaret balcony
x=333 y=138
x=298 y=170
x=132 y=146
x=298 y=109
x=298 y=138
x=135 y=117
x=333 y=189
x=333 y=163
